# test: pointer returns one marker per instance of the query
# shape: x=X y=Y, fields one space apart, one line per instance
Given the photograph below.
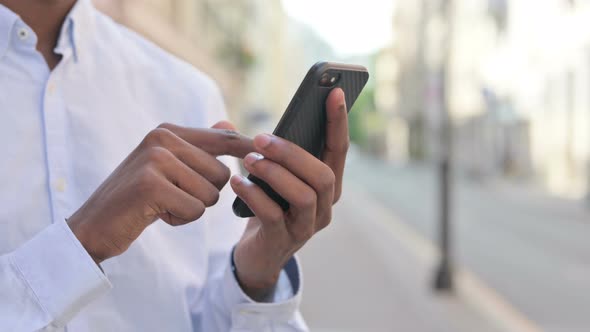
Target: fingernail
x=262 y=140
x=237 y=179
x=252 y=157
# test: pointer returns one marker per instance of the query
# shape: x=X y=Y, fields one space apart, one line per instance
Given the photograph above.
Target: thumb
x=224 y=125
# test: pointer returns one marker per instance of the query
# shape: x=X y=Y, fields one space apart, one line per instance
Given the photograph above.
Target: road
x=531 y=248
x=364 y=274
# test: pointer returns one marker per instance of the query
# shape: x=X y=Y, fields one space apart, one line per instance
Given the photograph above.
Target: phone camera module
x=325 y=80
x=329 y=79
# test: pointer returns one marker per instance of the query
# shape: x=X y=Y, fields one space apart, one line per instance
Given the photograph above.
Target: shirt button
x=51 y=88
x=23 y=33
x=60 y=185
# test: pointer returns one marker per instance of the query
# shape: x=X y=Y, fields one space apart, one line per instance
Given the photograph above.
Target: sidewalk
x=363 y=275
x=530 y=249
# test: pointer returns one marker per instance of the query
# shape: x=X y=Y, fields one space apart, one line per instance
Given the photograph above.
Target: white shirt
x=62 y=132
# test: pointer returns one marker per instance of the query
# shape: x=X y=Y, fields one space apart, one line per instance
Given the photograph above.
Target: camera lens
x=325 y=79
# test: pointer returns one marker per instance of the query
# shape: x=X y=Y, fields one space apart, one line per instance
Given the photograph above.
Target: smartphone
x=304 y=121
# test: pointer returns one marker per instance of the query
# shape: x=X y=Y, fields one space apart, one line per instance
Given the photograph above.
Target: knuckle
x=157 y=136
x=346 y=144
x=326 y=180
x=166 y=125
x=280 y=150
x=264 y=168
x=158 y=155
x=147 y=180
x=221 y=177
x=198 y=211
x=176 y=222
x=306 y=199
x=212 y=197
x=324 y=221
x=274 y=215
x=230 y=134
x=229 y=137
x=343 y=147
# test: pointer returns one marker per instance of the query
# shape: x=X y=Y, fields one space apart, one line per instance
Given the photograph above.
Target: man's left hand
x=311 y=187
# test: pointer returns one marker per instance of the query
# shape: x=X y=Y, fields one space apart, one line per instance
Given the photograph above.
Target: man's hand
x=311 y=187
x=173 y=175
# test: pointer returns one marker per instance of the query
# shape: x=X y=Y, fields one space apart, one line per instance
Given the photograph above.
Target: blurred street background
x=476 y=116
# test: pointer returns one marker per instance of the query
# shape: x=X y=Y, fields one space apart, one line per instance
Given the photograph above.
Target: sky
x=351 y=27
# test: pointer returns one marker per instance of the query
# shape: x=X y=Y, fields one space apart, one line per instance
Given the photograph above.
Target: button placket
x=57 y=155
x=50 y=88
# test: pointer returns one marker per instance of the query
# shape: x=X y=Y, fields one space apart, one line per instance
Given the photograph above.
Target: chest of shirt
x=62 y=133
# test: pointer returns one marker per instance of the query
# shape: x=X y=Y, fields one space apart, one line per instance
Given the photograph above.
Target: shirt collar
x=7 y=21
x=76 y=30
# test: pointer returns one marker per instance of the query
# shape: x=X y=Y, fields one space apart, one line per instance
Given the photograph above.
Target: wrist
x=259 y=289
x=83 y=235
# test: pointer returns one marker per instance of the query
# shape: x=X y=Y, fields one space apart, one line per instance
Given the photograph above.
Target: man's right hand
x=172 y=175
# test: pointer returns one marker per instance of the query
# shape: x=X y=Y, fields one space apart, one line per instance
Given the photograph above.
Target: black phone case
x=304 y=121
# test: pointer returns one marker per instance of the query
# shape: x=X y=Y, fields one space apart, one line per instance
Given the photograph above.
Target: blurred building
x=398 y=145
x=517 y=86
x=187 y=29
x=285 y=50
x=542 y=64
x=254 y=51
x=409 y=78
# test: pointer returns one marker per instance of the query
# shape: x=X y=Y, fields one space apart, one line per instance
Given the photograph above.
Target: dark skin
x=179 y=178
x=45 y=17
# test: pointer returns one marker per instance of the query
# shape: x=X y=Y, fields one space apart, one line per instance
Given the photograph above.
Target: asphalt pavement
x=531 y=249
x=361 y=275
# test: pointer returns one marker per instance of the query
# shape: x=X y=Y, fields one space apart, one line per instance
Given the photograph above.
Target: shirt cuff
x=247 y=313
x=60 y=272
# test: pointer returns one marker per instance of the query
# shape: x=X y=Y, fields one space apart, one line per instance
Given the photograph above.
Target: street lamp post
x=443 y=280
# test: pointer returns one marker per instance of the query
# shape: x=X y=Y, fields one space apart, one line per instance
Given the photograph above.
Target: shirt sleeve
x=224 y=306
x=47 y=280
x=230 y=309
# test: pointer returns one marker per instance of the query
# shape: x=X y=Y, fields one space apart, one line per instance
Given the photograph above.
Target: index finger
x=337 y=139
x=217 y=142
